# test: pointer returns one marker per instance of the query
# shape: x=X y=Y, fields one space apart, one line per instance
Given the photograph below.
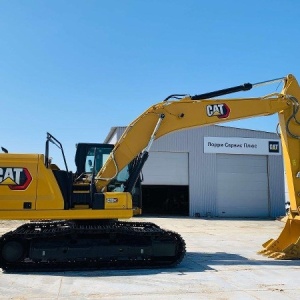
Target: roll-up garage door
x=242 y=186
x=166 y=168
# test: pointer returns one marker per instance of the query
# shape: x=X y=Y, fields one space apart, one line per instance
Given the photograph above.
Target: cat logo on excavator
x=220 y=110
x=15 y=178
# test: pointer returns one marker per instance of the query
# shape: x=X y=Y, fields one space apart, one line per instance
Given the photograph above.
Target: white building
x=213 y=171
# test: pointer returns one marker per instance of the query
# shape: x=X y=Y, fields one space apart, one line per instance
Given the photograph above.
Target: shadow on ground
x=193 y=262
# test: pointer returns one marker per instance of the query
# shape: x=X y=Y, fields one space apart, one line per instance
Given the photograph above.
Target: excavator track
x=84 y=245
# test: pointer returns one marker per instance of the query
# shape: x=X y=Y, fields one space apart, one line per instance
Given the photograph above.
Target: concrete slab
x=221 y=263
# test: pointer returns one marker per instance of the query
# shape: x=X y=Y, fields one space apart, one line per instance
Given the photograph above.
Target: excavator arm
x=199 y=110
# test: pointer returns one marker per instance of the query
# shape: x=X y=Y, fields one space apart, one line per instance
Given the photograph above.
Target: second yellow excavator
x=80 y=210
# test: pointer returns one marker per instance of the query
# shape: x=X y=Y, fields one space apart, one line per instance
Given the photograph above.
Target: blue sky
x=77 y=68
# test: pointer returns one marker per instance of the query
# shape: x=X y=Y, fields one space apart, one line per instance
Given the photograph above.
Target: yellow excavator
x=76 y=218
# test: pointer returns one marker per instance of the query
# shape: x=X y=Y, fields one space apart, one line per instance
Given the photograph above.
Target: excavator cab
x=90 y=157
x=77 y=188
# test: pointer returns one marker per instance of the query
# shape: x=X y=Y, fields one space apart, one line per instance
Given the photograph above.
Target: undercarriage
x=82 y=245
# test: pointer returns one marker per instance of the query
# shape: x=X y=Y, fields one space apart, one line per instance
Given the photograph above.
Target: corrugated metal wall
x=203 y=169
x=276 y=186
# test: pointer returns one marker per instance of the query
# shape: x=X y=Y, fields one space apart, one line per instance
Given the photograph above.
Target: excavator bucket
x=287 y=245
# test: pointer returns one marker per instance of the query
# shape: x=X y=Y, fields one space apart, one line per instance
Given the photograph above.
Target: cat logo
x=273 y=146
x=15 y=178
x=219 y=110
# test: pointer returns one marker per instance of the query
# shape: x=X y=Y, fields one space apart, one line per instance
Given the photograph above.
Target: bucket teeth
x=264 y=252
x=272 y=254
x=287 y=246
x=276 y=255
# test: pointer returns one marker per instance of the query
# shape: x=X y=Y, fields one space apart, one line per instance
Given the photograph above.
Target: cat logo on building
x=219 y=110
x=15 y=178
x=274 y=146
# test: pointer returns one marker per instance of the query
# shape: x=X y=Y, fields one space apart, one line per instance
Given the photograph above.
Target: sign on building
x=232 y=145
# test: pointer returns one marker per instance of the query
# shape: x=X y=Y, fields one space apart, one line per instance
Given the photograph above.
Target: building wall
x=203 y=168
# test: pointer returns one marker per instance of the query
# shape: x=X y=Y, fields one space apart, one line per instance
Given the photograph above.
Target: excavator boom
x=188 y=112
